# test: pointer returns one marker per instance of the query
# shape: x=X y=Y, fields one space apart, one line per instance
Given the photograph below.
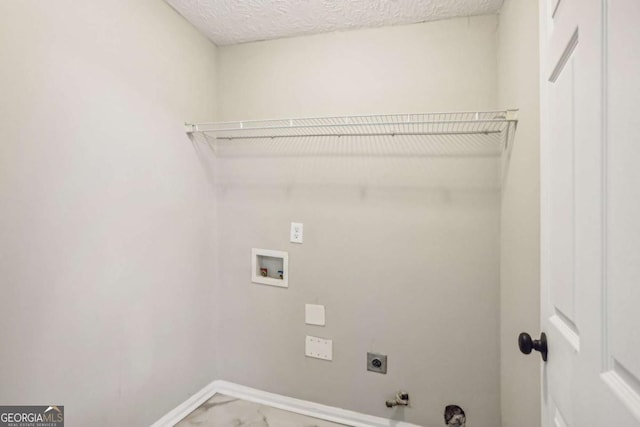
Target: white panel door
x=590 y=180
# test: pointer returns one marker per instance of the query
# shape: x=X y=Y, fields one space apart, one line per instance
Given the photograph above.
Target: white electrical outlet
x=296 y=232
x=319 y=348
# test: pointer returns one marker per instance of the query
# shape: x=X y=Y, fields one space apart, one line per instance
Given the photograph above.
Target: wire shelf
x=494 y=126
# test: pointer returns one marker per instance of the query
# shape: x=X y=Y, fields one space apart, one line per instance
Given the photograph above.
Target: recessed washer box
x=270 y=267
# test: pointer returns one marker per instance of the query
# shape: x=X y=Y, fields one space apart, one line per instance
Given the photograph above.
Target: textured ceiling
x=228 y=22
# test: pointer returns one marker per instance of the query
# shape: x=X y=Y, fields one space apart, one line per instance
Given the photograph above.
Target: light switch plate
x=314 y=314
x=297 y=229
x=319 y=348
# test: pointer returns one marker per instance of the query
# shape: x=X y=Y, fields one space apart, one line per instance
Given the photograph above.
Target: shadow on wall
x=399 y=171
x=438 y=168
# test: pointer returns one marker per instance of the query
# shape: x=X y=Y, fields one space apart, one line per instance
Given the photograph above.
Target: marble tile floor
x=225 y=411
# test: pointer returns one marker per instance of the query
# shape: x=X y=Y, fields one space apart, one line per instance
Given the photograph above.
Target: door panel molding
x=620 y=235
x=606 y=358
x=558 y=420
x=567 y=329
x=567 y=53
x=625 y=386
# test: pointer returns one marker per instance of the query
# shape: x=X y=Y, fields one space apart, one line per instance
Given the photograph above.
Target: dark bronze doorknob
x=527 y=344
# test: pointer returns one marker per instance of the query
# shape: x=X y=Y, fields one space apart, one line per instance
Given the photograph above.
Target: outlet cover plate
x=297 y=230
x=377 y=363
x=319 y=348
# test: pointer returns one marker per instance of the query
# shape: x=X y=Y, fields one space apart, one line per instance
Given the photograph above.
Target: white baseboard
x=174 y=416
x=316 y=410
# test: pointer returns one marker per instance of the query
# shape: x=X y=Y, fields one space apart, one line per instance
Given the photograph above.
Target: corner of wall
x=518 y=87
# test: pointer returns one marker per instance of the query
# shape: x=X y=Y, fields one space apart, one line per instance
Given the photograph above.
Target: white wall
x=402 y=249
x=106 y=261
x=437 y=66
x=519 y=265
